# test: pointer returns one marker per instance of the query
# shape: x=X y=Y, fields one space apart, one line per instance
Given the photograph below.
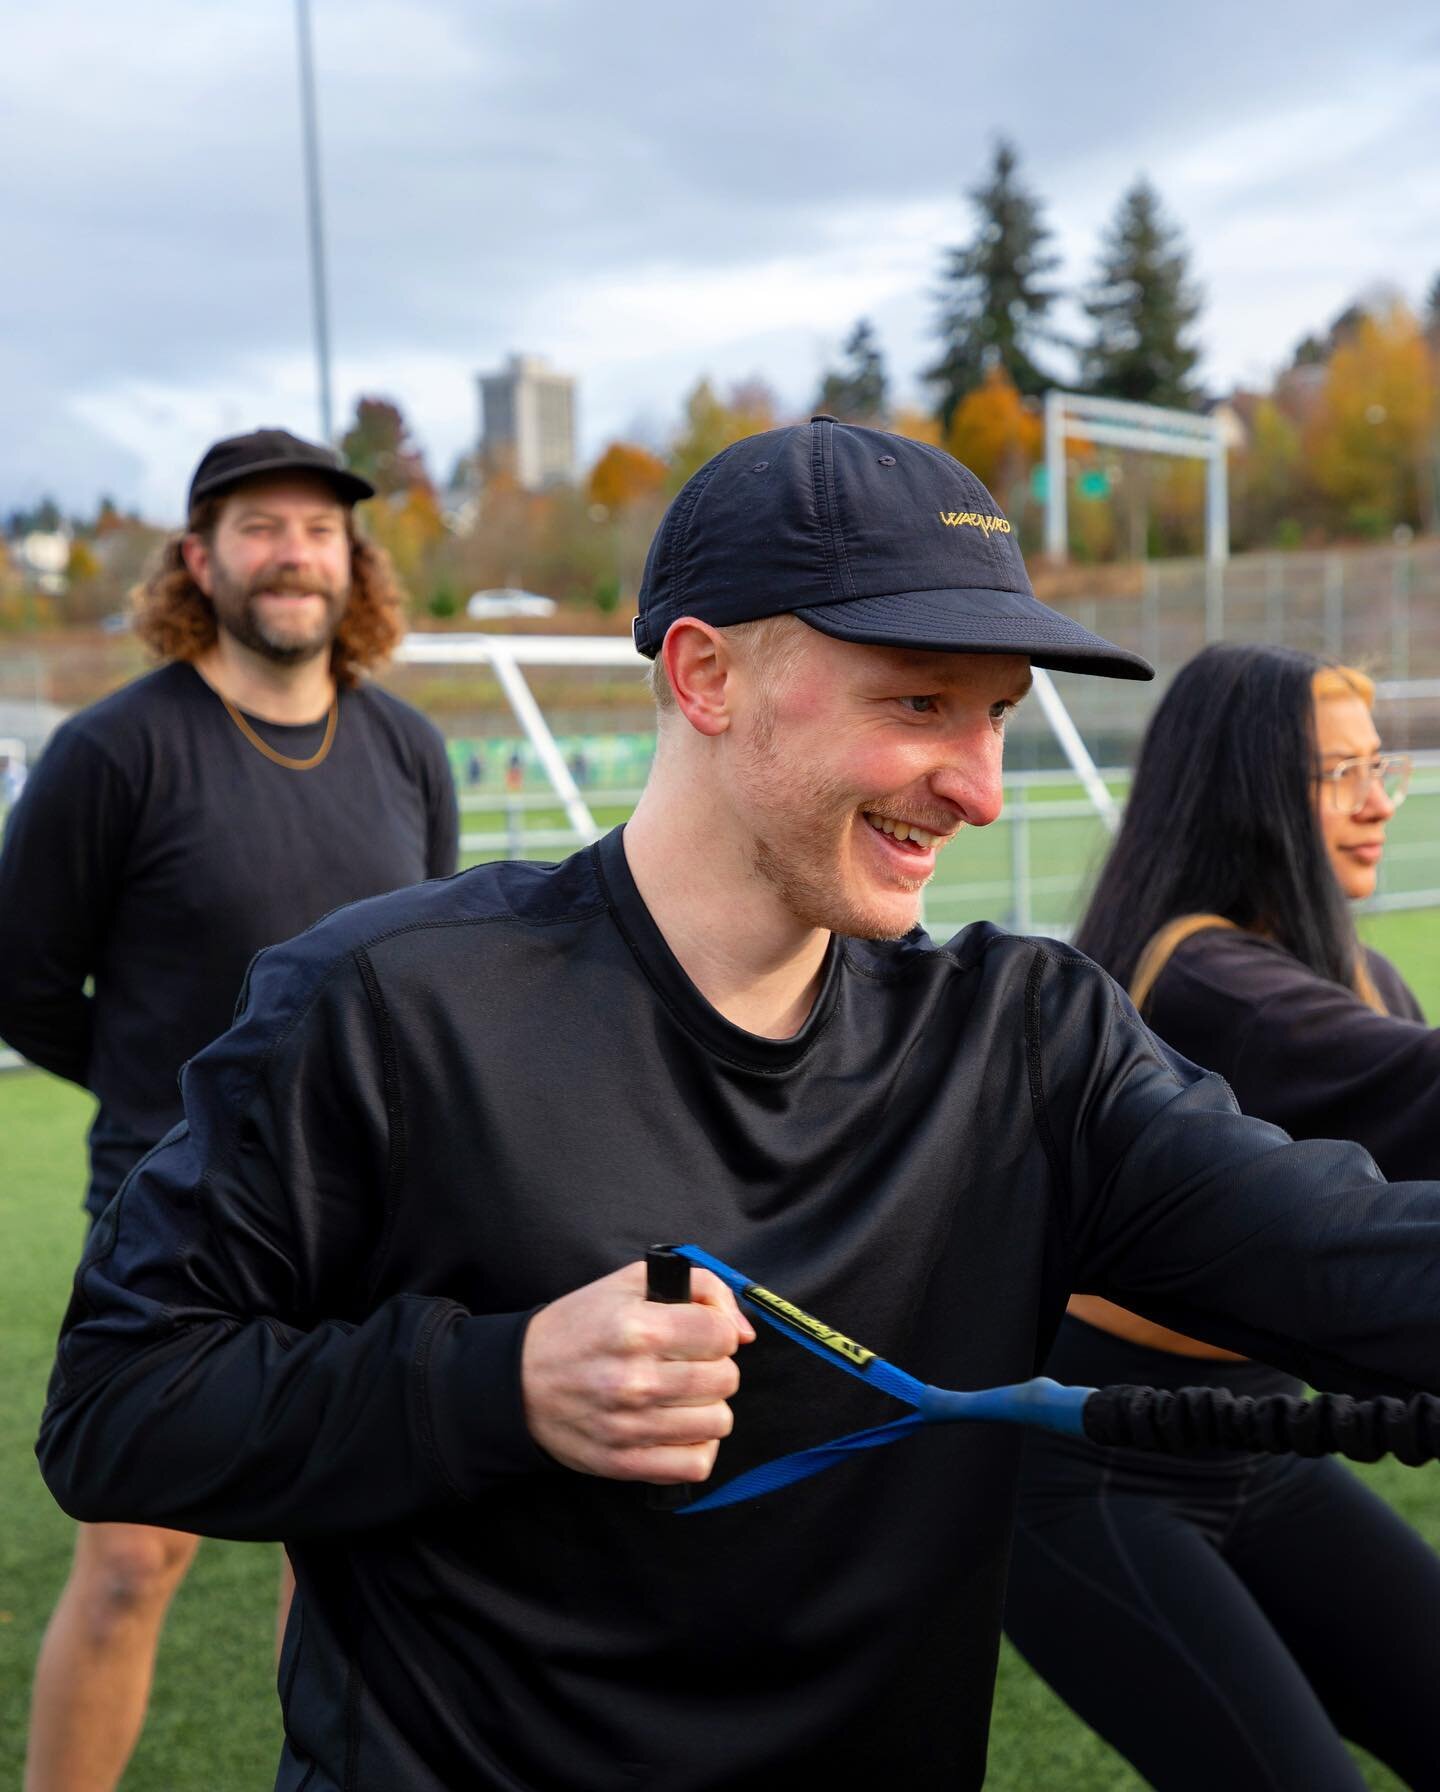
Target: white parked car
x=491 y=606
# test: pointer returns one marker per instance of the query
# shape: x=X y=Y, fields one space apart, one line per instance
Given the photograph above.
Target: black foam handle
x=667 y=1279
x=1200 y=1421
x=667 y=1276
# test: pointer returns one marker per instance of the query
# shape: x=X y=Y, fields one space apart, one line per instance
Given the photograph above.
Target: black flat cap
x=263 y=451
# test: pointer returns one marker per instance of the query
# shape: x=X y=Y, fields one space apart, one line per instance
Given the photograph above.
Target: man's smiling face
x=277 y=568
x=856 y=765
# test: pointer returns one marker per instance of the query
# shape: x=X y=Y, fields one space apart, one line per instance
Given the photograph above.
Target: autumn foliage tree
x=996 y=434
x=1369 y=442
x=710 y=423
x=626 y=476
x=380 y=447
x=918 y=426
x=1266 y=480
x=626 y=491
x=409 y=525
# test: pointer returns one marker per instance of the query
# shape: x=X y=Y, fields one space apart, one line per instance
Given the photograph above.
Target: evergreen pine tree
x=1142 y=305
x=856 y=392
x=995 y=298
x=1430 y=320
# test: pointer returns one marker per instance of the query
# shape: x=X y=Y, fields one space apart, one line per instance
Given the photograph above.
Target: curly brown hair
x=176 y=621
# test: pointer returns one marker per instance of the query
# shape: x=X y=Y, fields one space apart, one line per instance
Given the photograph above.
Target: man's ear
x=698 y=662
x=196 y=555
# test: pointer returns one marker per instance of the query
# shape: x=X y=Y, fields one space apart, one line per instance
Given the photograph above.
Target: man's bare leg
x=92 y=1681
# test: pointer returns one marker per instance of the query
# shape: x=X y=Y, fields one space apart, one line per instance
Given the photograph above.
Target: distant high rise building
x=528 y=422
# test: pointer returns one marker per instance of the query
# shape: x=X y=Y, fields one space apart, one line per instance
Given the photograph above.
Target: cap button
x=824 y=417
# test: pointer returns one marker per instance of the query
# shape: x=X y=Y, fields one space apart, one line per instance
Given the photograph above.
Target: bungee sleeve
x=1195 y=1421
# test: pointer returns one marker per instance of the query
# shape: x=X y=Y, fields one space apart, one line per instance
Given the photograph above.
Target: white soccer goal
x=1147 y=429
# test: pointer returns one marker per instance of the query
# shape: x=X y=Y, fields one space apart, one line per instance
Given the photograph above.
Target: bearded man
x=226 y=801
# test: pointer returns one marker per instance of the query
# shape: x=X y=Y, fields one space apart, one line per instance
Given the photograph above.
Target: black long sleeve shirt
x=1302 y=1051
x=155 y=851
x=302 y=1318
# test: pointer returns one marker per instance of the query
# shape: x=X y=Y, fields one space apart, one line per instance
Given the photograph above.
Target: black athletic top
x=156 y=850
x=1304 y=1052
x=302 y=1318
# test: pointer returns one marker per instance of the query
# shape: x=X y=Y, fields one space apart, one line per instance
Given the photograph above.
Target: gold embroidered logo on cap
x=975 y=519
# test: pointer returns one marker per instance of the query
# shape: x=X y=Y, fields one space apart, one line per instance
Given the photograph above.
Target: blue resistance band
x=1041 y=1402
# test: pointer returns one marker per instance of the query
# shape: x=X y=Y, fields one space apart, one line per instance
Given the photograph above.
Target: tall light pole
x=311 y=135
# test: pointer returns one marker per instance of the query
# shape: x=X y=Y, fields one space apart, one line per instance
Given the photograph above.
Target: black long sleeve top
x=1304 y=1052
x=155 y=851
x=302 y=1318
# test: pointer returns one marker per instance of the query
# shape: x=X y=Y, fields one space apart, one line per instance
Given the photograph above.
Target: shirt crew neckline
x=680 y=995
x=293 y=728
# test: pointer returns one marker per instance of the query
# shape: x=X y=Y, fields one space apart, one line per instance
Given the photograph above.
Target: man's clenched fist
x=619 y=1386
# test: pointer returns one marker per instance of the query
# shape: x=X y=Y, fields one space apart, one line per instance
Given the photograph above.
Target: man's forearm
x=51 y=1029
x=252 y=1430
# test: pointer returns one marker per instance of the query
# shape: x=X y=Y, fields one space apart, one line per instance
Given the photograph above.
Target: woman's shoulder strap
x=1161 y=947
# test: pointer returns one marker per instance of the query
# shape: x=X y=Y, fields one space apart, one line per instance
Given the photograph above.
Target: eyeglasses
x=1349 y=784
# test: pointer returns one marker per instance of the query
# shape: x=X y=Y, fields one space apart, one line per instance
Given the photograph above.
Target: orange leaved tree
x=1368 y=442
x=624 y=476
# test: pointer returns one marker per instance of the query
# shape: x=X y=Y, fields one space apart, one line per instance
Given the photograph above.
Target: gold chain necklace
x=262 y=746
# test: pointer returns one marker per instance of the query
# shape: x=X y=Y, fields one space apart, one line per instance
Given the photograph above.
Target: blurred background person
x=1226 y=1622
x=213 y=807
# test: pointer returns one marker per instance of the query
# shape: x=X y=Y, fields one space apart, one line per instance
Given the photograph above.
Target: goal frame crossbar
x=1142 y=428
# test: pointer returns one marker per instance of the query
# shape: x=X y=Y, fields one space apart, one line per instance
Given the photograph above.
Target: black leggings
x=1223 y=1623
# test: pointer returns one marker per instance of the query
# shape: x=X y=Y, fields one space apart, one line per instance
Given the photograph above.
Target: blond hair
x=1343 y=681
x=770 y=644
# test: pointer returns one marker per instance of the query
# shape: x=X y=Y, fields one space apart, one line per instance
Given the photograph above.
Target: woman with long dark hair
x=1225 y=1622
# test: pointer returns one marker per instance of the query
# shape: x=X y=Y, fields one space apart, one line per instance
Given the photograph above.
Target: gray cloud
x=488 y=170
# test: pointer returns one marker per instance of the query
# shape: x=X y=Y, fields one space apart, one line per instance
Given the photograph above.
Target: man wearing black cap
x=170 y=832
x=380 y=1295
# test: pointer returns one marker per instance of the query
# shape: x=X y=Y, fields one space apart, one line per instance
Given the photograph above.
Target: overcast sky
x=644 y=191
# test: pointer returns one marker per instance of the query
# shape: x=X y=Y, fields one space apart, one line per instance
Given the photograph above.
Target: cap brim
x=349 y=487
x=971 y=621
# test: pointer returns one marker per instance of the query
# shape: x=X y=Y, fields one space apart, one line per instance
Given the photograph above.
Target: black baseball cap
x=866 y=536
x=237 y=458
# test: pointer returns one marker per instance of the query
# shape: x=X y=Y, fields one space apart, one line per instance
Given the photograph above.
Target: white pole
x=527 y=711
x=1214 y=600
x=310 y=131
x=1217 y=503
x=1075 y=749
x=1057 y=528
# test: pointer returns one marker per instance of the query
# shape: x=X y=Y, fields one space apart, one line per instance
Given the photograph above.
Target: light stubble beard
x=794 y=864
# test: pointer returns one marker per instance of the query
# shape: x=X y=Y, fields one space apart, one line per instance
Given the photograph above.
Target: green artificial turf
x=214 y=1724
